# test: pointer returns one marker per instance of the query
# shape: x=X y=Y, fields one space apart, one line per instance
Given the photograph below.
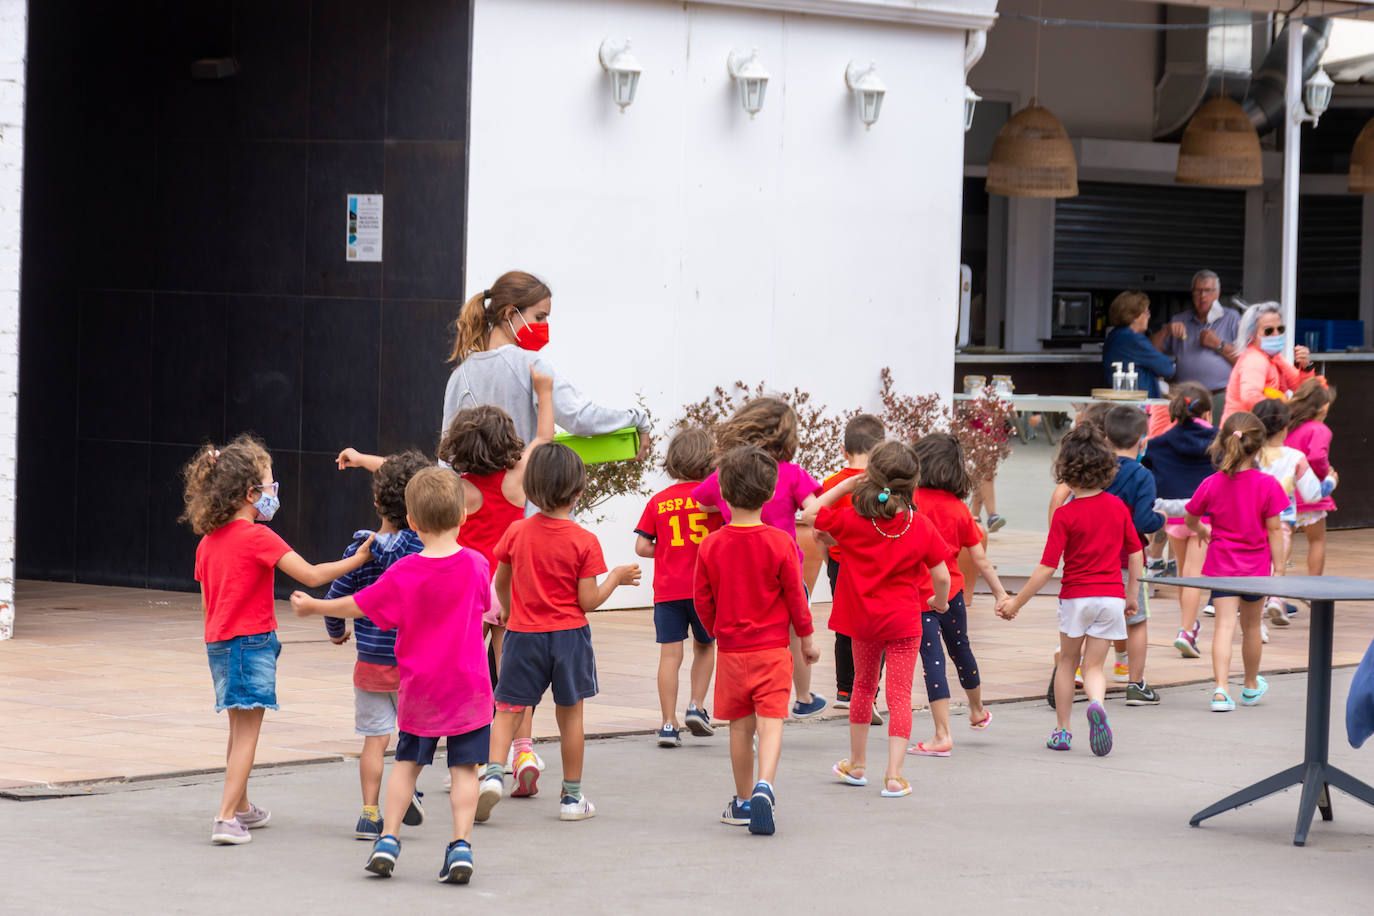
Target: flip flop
x=904 y=790
x=920 y=750
x=987 y=720
x=844 y=770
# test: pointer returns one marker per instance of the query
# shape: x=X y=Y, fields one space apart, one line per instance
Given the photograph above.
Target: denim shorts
x=531 y=663
x=672 y=619
x=245 y=671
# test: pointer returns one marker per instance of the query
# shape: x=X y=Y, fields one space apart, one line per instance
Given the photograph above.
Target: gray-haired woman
x=1261 y=367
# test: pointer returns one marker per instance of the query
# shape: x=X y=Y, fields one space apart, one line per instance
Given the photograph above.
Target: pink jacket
x=1313 y=439
x=1256 y=371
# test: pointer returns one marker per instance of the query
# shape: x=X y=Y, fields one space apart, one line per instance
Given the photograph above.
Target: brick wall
x=13 y=34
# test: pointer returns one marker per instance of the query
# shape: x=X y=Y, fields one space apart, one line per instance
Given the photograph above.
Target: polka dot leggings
x=901 y=667
x=953 y=626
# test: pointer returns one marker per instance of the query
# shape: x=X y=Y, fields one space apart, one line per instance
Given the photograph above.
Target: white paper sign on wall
x=364 y=227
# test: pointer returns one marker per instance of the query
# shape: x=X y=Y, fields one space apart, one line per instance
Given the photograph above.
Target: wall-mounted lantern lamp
x=624 y=69
x=971 y=100
x=868 y=90
x=751 y=77
x=1316 y=93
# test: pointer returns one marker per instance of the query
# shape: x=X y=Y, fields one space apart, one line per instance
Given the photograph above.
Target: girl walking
x=226 y=492
x=1244 y=539
x=1290 y=468
x=1309 y=434
x=888 y=548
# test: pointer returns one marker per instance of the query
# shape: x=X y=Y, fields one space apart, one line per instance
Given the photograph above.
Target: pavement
x=1004 y=825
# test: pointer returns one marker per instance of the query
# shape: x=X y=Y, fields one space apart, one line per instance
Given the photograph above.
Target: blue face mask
x=267 y=506
x=1272 y=344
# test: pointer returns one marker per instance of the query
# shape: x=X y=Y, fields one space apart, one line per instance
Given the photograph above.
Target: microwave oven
x=1071 y=315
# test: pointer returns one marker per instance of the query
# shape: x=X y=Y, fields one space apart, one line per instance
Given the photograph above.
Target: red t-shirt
x=1090 y=535
x=547 y=556
x=235 y=566
x=956 y=525
x=677 y=526
x=878 y=595
x=844 y=501
x=483 y=528
x=749 y=588
x=376 y=678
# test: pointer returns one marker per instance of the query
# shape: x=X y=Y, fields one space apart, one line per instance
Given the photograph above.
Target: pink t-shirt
x=794 y=485
x=436 y=607
x=1238 y=507
x=1313 y=439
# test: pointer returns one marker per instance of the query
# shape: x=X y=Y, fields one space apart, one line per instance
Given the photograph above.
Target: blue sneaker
x=415 y=814
x=736 y=813
x=368 y=828
x=698 y=722
x=1099 y=730
x=384 y=854
x=761 y=810
x=457 y=863
x=802 y=710
x=669 y=736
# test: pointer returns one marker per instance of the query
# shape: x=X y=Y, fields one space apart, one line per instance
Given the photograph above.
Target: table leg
x=1279 y=781
x=1348 y=784
x=1313 y=786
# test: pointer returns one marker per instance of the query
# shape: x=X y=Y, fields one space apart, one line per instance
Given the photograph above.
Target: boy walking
x=435 y=600
x=748 y=591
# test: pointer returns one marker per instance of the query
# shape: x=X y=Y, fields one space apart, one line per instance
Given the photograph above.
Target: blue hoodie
x=1134 y=486
x=1179 y=459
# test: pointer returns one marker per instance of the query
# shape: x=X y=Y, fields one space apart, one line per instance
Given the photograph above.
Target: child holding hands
x=888 y=549
x=1090 y=533
x=435 y=601
x=748 y=589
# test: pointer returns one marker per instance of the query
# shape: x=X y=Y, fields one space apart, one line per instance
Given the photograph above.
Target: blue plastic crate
x=1336 y=335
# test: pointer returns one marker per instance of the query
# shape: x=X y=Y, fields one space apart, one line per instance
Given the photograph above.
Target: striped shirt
x=375 y=645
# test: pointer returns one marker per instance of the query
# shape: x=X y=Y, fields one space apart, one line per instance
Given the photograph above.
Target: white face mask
x=1272 y=344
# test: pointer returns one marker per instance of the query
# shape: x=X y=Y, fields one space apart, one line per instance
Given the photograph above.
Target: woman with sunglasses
x=1261 y=367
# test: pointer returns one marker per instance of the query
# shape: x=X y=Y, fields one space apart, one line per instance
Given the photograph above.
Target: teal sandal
x=1251 y=697
x=1225 y=704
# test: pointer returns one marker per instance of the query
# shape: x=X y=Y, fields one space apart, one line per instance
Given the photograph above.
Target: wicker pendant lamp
x=1220 y=148
x=1032 y=157
x=1362 y=161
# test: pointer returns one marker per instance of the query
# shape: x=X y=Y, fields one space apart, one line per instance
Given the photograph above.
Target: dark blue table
x=1314 y=774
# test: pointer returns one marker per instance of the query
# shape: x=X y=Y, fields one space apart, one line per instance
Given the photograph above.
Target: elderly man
x=1202 y=340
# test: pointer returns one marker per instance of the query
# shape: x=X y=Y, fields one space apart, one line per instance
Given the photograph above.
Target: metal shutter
x=1121 y=236
x=1330 y=228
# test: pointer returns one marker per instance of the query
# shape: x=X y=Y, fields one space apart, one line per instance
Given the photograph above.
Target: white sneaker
x=487 y=797
x=576 y=810
x=1209 y=611
x=1264 y=632
x=1276 y=614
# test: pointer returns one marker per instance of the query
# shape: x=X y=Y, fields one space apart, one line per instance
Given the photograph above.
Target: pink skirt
x=493 y=616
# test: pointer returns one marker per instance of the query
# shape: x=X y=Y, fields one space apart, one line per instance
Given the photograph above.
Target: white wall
x=13 y=34
x=688 y=246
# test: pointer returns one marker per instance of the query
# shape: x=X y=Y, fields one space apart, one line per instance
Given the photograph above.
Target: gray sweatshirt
x=501 y=377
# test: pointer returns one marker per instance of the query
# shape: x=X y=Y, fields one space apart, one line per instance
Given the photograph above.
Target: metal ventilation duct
x=1264 y=101
x=1198 y=62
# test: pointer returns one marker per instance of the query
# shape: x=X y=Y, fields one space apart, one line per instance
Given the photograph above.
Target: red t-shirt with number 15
x=677 y=526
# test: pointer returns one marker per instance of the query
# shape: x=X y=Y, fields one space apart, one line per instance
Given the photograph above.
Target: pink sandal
x=987 y=720
x=920 y=750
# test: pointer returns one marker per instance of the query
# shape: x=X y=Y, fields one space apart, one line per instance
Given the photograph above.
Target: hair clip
x=1237 y=434
x=1189 y=402
x=486 y=294
x=882 y=497
x=214 y=456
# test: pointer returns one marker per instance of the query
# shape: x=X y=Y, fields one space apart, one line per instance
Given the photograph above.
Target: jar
x=974 y=383
x=1002 y=384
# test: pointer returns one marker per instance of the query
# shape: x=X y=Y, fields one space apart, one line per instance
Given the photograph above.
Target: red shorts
x=757 y=682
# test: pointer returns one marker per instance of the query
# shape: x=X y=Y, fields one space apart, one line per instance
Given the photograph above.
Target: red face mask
x=531 y=336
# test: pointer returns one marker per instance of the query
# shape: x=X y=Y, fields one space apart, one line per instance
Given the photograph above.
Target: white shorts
x=374 y=713
x=1104 y=618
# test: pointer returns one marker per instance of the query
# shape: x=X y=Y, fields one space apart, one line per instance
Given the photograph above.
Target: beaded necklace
x=905 y=528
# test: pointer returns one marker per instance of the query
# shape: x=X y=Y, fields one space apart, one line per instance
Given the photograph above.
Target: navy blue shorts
x=244 y=670
x=1240 y=595
x=672 y=619
x=533 y=662
x=469 y=748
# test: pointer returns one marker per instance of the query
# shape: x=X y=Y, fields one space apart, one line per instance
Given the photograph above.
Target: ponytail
x=217 y=481
x=889 y=482
x=1189 y=403
x=514 y=289
x=1241 y=438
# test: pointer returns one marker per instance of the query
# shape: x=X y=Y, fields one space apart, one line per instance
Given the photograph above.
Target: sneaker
x=575 y=809
x=1264 y=632
x=1099 y=730
x=415 y=814
x=384 y=854
x=254 y=817
x=1141 y=694
x=761 y=810
x=368 y=828
x=1209 y=611
x=229 y=833
x=1155 y=567
x=842 y=699
x=1274 y=611
x=1059 y=740
x=487 y=797
x=669 y=736
x=736 y=813
x=1121 y=673
x=527 y=771
x=802 y=710
x=1186 y=643
x=698 y=722
x=1078 y=678
x=1291 y=610
x=996 y=523
x=877 y=718
x=457 y=863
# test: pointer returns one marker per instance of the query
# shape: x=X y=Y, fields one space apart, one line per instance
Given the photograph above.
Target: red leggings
x=901 y=667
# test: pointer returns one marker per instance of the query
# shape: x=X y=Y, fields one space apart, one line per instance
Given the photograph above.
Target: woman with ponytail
x=499 y=334
x=1244 y=538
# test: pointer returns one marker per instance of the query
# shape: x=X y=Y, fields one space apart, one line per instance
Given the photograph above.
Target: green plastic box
x=617 y=446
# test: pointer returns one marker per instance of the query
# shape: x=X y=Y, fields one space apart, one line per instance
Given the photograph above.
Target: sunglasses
x=1270 y=332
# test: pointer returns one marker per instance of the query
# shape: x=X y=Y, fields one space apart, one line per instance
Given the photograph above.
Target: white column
x=13 y=36
x=1292 y=149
